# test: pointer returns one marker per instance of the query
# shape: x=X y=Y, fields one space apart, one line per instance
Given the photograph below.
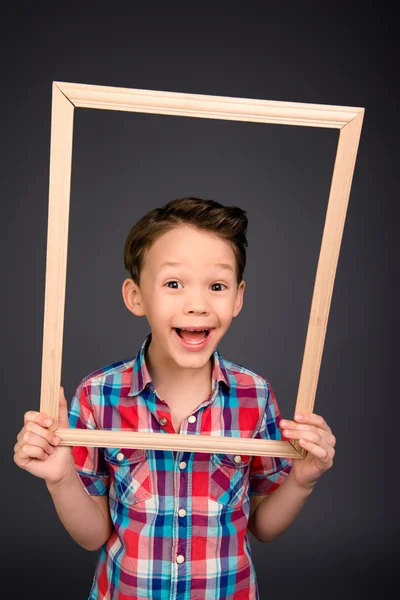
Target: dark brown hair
x=228 y=222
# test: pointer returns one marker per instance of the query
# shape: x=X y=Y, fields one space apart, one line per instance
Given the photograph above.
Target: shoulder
x=242 y=377
x=110 y=372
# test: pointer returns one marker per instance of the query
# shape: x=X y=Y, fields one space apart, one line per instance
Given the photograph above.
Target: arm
x=86 y=518
x=276 y=513
x=272 y=514
x=38 y=451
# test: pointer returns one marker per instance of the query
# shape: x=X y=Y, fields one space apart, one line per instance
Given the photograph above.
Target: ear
x=239 y=299
x=132 y=297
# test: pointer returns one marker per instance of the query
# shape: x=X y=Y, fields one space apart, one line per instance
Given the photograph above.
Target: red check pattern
x=180 y=518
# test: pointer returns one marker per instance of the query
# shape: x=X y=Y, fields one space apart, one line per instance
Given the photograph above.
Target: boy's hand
x=37 y=449
x=315 y=436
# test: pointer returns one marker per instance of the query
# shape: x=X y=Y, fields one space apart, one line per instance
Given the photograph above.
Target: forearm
x=277 y=512
x=80 y=515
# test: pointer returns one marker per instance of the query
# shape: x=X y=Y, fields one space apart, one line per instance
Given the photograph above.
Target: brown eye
x=168 y=282
x=219 y=284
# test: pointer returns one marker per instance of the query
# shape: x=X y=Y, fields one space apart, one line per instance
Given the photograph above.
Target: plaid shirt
x=180 y=518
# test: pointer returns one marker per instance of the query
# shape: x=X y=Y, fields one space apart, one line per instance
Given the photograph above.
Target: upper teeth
x=185 y=329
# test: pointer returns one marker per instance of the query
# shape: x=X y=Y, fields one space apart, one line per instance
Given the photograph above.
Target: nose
x=199 y=311
x=195 y=303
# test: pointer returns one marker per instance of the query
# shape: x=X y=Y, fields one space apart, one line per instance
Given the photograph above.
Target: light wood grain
x=173 y=441
x=207 y=107
x=57 y=246
x=66 y=96
x=328 y=258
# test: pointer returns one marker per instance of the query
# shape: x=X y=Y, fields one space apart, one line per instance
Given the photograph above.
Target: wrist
x=303 y=488
x=67 y=478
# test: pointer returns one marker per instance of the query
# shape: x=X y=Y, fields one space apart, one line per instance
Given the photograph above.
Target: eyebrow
x=179 y=264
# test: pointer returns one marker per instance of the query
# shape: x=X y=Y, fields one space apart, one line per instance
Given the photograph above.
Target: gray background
x=124 y=164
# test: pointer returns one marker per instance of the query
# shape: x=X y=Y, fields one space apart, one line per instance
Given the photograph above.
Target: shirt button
x=163 y=421
x=238 y=459
x=120 y=456
x=182 y=512
x=180 y=559
x=182 y=465
x=192 y=419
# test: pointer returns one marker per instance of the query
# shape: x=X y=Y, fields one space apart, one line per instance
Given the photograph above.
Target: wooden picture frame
x=67 y=97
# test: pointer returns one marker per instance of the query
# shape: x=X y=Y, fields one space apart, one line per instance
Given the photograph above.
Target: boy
x=173 y=525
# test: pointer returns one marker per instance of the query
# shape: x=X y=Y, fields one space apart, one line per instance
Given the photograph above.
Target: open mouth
x=193 y=337
x=187 y=334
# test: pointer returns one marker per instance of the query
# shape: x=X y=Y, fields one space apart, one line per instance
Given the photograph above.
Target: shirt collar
x=141 y=376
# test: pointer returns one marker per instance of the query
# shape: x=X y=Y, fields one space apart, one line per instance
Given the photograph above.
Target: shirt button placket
x=184 y=491
x=181 y=541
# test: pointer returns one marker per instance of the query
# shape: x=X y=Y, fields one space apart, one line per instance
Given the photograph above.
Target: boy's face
x=197 y=293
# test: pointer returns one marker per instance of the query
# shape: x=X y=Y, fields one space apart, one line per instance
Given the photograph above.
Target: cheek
x=161 y=308
x=224 y=315
x=226 y=307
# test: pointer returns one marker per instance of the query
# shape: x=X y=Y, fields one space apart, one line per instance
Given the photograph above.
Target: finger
x=28 y=451
x=33 y=439
x=321 y=453
x=323 y=436
x=311 y=440
x=297 y=427
x=328 y=437
x=292 y=426
x=313 y=419
x=311 y=436
x=44 y=432
x=308 y=418
x=37 y=417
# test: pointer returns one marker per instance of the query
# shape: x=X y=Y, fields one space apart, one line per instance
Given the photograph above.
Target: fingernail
x=298 y=416
x=48 y=422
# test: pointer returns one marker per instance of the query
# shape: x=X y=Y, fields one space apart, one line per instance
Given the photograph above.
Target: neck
x=166 y=374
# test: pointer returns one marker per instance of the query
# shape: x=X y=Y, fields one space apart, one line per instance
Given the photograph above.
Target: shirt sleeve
x=90 y=463
x=267 y=472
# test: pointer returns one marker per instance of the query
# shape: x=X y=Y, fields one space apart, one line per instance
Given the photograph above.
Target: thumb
x=63 y=410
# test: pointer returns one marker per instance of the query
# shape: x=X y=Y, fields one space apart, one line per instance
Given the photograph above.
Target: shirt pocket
x=132 y=480
x=229 y=478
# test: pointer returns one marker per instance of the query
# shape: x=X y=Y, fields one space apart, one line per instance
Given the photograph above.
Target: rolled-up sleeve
x=90 y=463
x=267 y=473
